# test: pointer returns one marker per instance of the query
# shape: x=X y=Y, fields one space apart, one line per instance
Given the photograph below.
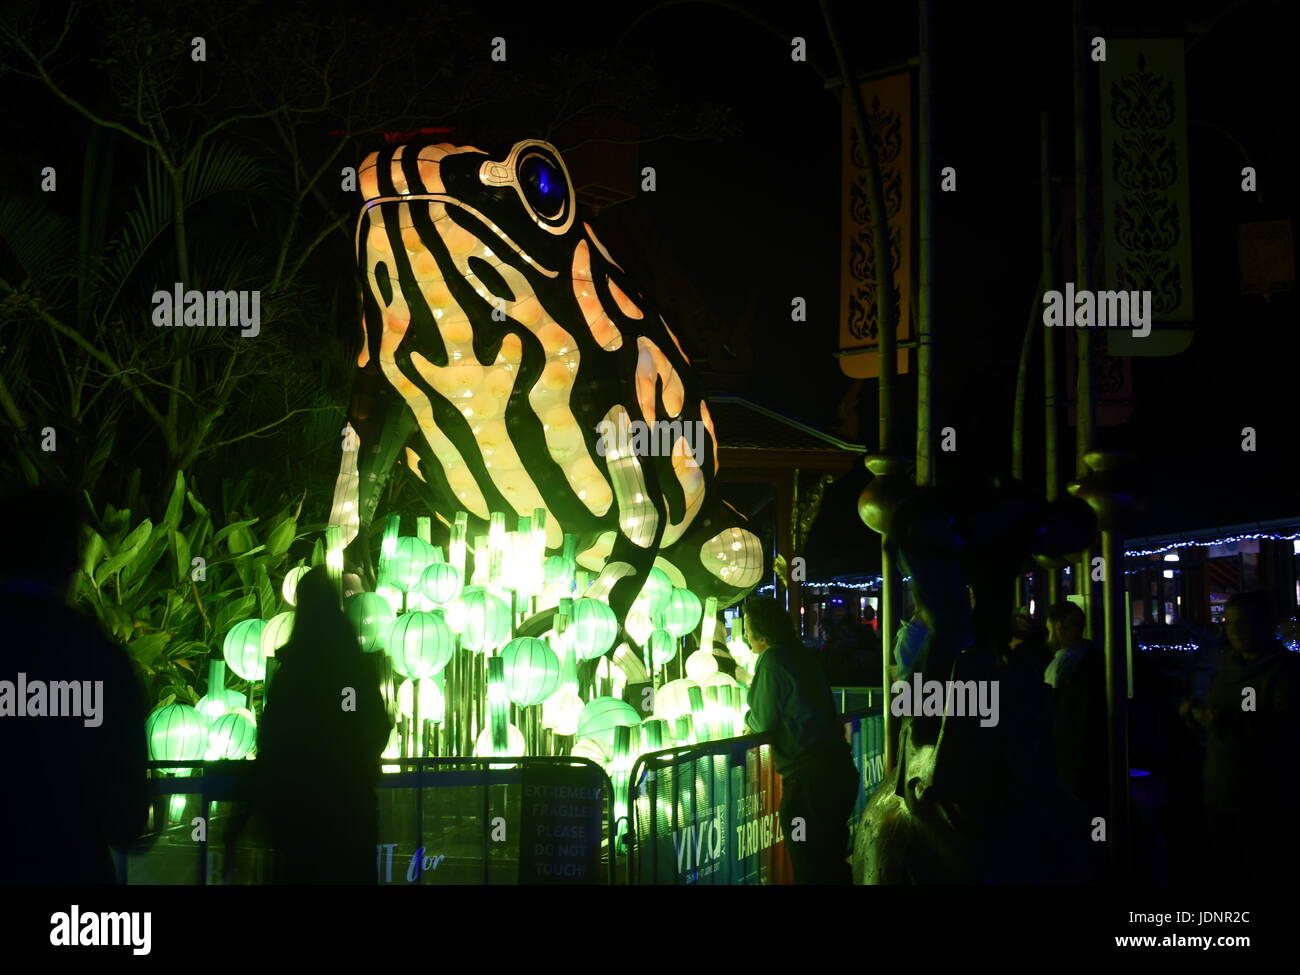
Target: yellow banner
x=889 y=102
x=1145 y=187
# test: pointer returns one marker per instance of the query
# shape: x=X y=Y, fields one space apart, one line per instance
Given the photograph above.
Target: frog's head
x=518 y=344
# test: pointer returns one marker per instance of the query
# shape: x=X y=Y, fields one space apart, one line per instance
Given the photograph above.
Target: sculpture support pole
x=1084 y=418
x=885 y=313
x=1102 y=490
x=925 y=258
x=1050 y=412
x=1112 y=550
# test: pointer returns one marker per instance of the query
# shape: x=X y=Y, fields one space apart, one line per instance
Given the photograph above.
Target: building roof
x=742 y=425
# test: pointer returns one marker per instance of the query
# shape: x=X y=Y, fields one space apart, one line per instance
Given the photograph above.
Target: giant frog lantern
x=508 y=360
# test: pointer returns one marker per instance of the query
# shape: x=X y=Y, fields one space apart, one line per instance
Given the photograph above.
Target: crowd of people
x=1019 y=801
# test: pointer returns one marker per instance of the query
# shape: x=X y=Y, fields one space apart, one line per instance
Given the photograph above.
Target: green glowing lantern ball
x=395 y=598
x=290 y=588
x=419 y=644
x=658 y=589
x=560 y=712
x=407 y=565
x=602 y=715
x=700 y=665
x=532 y=670
x=683 y=613
x=662 y=646
x=372 y=616
x=594 y=749
x=433 y=705
x=674 y=699
x=555 y=571
x=243 y=649
x=233 y=735
x=515 y=743
x=487 y=621
x=215 y=703
x=594 y=626
x=440 y=582
x=715 y=679
x=176 y=733
x=276 y=634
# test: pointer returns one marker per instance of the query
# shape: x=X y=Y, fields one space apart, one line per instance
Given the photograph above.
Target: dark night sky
x=765 y=210
x=754 y=219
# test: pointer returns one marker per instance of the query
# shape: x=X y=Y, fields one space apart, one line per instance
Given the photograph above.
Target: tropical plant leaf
x=232 y=611
x=145 y=649
x=111 y=565
x=103 y=448
x=150 y=553
x=265 y=592
x=144 y=224
x=181 y=549
x=281 y=537
x=41 y=240
x=92 y=551
x=219 y=168
x=235 y=546
x=172 y=518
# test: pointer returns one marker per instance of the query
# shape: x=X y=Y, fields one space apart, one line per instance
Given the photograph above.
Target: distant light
x=1172 y=557
x=1137 y=773
x=1168 y=573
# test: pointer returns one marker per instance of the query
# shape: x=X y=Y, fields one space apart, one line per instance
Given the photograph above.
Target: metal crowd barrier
x=709 y=813
x=442 y=821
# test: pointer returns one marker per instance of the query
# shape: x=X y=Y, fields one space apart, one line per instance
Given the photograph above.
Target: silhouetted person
x=844 y=649
x=1077 y=672
x=1251 y=717
x=791 y=698
x=323 y=729
x=1028 y=646
x=74 y=784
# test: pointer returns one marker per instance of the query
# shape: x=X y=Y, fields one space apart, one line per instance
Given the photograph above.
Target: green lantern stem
x=388 y=547
x=709 y=623
x=334 y=555
x=456 y=547
x=216 y=677
x=497 y=702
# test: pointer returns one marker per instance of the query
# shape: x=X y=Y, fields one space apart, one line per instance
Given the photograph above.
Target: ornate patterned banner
x=1145 y=187
x=889 y=106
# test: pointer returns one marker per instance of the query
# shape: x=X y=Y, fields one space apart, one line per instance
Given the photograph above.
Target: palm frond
x=40 y=239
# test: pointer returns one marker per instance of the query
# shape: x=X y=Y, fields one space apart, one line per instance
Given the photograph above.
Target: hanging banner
x=1146 y=189
x=889 y=108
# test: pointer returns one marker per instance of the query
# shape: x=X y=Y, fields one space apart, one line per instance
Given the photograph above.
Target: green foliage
x=140 y=580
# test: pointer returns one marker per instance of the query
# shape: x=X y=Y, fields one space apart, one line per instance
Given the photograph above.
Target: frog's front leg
x=378 y=427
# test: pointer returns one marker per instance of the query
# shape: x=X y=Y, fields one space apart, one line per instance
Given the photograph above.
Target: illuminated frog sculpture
x=511 y=361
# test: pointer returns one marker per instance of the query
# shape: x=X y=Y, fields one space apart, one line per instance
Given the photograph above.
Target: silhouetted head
x=319 y=625
x=767 y=623
x=41 y=539
x=1250 y=623
x=1065 y=625
x=1025 y=627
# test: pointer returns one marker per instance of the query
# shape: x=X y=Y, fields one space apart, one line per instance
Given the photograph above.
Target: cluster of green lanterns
x=472 y=665
x=219 y=726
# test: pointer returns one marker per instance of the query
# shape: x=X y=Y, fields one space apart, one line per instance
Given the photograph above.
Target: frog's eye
x=544 y=186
